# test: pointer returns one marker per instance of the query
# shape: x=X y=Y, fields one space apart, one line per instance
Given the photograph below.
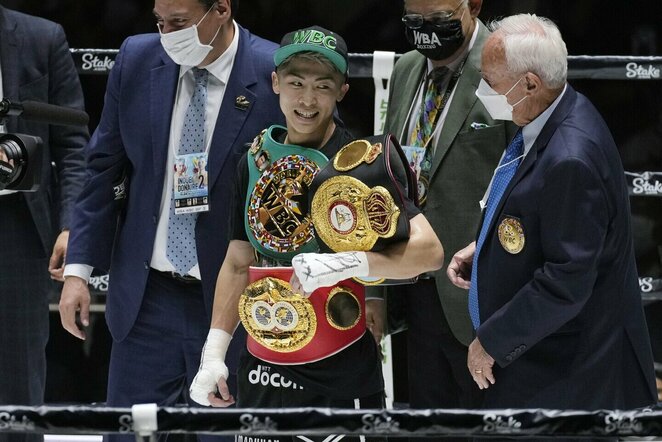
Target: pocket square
x=477 y=126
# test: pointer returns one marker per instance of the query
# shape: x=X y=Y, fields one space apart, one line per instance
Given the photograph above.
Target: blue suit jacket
x=133 y=133
x=563 y=317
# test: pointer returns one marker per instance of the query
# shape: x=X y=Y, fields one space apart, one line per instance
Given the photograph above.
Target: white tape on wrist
x=316 y=270
x=212 y=366
x=217 y=344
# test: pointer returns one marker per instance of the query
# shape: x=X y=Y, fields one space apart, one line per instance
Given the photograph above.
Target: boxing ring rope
x=595 y=67
x=148 y=419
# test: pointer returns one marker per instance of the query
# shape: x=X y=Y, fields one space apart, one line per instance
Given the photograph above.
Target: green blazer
x=462 y=167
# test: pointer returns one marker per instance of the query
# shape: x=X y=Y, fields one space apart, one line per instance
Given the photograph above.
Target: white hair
x=533 y=44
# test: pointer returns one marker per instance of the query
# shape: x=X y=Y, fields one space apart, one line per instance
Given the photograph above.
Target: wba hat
x=315 y=39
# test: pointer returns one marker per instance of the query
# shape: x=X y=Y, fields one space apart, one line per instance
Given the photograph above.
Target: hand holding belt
x=316 y=270
x=359 y=199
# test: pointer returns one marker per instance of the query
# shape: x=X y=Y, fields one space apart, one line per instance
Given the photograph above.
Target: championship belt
x=358 y=199
x=287 y=328
x=278 y=223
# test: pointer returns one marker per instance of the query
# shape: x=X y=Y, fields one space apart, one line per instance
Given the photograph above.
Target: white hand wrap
x=212 y=366
x=316 y=270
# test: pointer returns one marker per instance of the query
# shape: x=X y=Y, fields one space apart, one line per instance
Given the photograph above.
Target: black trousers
x=157 y=361
x=24 y=287
x=260 y=387
x=437 y=362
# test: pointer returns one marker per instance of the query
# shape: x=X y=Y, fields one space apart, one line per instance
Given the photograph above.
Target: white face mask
x=497 y=104
x=184 y=46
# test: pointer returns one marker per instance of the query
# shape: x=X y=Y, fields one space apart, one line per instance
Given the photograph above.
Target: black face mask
x=436 y=41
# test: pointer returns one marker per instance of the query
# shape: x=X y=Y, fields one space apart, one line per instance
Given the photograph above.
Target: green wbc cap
x=315 y=39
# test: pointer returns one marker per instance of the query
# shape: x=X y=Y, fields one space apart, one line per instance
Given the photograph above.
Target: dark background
x=633 y=109
x=589 y=27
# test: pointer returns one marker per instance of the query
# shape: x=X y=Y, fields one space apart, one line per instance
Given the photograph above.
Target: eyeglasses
x=415 y=21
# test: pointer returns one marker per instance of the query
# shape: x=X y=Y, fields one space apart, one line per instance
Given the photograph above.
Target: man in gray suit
x=36 y=65
x=454 y=146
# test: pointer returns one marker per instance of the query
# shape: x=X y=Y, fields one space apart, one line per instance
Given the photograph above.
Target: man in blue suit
x=200 y=90
x=36 y=65
x=554 y=295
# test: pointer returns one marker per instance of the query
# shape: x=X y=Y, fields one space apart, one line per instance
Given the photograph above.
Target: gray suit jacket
x=463 y=164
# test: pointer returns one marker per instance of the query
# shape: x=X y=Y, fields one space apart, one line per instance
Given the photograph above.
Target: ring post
x=144 y=421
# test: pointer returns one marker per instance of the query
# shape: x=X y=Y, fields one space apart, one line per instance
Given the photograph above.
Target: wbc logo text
x=314 y=37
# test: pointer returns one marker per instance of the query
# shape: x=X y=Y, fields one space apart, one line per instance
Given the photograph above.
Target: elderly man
x=553 y=291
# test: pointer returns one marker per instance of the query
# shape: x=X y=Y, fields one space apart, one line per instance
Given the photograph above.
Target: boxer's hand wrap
x=316 y=270
x=212 y=366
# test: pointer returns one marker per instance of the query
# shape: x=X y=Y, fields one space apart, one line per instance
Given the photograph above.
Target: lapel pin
x=511 y=235
x=241 y=103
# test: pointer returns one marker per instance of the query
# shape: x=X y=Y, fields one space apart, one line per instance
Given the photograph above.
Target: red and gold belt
x=287 y=328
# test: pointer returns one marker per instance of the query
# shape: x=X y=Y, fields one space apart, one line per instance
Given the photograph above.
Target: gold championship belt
x=287 y=328
x=358 y=198
x=277 y=219
x=356 y=216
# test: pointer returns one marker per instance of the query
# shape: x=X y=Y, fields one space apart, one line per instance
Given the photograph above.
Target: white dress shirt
x=219 y=71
